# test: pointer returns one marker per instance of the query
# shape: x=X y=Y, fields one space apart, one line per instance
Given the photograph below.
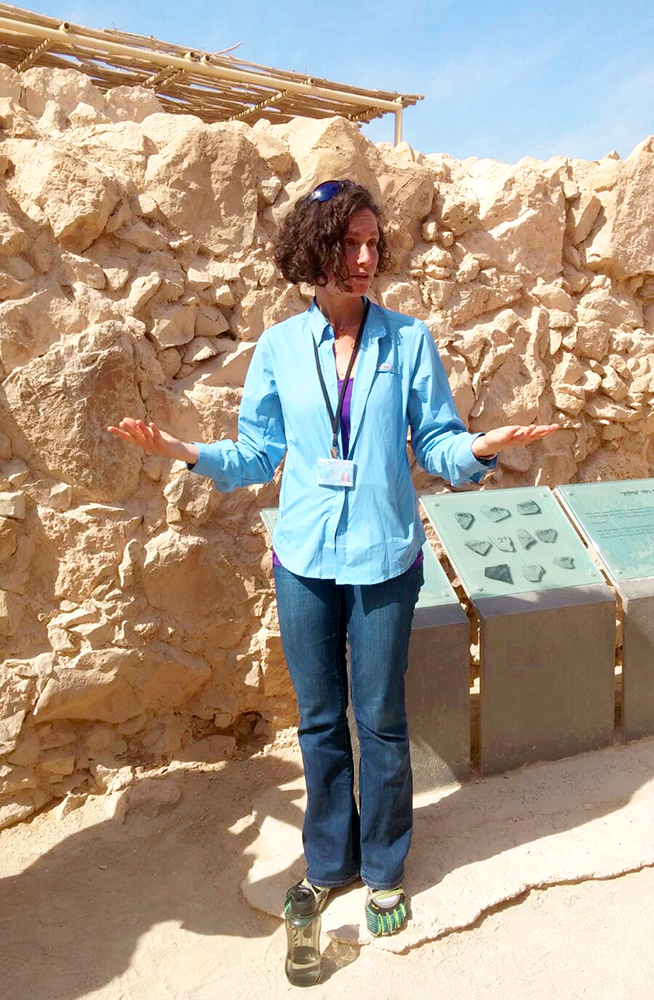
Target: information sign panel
x=617 y=519
x=510 y=541
x=436 y=589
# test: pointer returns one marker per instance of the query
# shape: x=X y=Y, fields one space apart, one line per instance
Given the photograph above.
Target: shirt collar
x=319 y=324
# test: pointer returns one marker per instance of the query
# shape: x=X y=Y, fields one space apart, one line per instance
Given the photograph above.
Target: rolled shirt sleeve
x=261 y=442
x=439 y=438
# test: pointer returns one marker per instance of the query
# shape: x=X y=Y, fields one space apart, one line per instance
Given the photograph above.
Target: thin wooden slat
x=187 y=90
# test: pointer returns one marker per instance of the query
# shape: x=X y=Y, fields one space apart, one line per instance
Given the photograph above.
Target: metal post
x=398 y=126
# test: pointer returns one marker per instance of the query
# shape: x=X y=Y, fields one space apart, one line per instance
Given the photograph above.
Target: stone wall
x=136 y=612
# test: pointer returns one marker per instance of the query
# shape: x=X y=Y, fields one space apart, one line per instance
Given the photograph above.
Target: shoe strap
x=378 y=895
x=315 y=889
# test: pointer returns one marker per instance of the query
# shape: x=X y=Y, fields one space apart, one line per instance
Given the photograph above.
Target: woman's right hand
x=151 y=439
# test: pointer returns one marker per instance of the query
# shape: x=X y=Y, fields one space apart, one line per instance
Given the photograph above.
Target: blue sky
x=503 y=79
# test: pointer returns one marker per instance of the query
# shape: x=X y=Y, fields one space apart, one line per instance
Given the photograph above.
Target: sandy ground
x=160 y=891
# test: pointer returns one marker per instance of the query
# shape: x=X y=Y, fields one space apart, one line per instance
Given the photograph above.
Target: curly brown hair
x=310 y=243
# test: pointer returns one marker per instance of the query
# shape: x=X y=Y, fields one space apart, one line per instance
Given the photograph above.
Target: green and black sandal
x=386 y=911
x=320 y=894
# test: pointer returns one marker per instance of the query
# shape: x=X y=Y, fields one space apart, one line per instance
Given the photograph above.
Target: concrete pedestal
x=437 y=696
x=546 y=675
x=637 y=598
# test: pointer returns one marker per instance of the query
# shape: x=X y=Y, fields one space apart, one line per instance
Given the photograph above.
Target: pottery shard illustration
x=464 y=519
x=505 y=543
x=547 y=534
x=525 y=539
x=501 y=573
x=481 y=548
x=528 y=507
x=565 y=562
x=534 y=573
x=496 y=513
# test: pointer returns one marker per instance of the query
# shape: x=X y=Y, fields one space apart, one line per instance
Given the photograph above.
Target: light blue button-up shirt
x=372 y=531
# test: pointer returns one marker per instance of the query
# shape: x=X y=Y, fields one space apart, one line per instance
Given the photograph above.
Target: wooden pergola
x=214 y=86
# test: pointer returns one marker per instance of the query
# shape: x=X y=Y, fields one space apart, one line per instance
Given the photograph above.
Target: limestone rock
x=5 y=446
x=161 y=128
x=142 y=290
x=127 y=569
x=90 y=687
x=623 y=246
x=12 y=505
x=489 y=291
x=185 y=576
x=75 y=268
x=66 y=87
x=29 y=326
x=210 y=321
x=607 y=307
x=10 y=727
x=60 y=405
x=13 y=237
x=605 y=409
x=170 y=676
x=554 y=297
x=590 y=340
x=561 y=320
x=8 y=542
x=200 y=349
x=581 y=216
x=174 y=325
x=133 y=104
x=228 y=368
x=89 y=540
x=75 y=197
x=271 y=149
x=10 y=83
x=457 y=211
x=613 y=385
x=142 y=236
x=117 y=148
x=192 y=181
x=460 y=383
x=20 y=806
x=16 y=277
x=511 y=395
x=522 y=207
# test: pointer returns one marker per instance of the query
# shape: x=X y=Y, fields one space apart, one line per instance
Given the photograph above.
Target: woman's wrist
x=480 y=449
x=185 y=451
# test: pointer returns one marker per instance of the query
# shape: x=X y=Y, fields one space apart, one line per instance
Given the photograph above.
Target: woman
x=335 y=389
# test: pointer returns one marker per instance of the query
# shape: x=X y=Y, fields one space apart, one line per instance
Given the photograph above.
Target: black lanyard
x=336 y=419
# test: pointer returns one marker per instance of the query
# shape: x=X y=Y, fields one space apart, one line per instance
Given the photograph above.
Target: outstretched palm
x=153 y=440
x=502 y=438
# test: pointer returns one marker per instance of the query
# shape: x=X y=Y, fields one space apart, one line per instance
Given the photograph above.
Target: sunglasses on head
x=327 y=190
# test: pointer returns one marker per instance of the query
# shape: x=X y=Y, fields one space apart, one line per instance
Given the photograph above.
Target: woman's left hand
x=501 y=438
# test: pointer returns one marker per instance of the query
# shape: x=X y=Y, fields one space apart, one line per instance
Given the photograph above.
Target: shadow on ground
x=69 y=923
x=482 y=844
x=72 y=920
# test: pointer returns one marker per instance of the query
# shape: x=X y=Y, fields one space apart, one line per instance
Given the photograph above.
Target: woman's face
x=360 y=248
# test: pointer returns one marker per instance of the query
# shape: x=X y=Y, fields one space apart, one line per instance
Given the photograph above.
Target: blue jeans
x=316 y=617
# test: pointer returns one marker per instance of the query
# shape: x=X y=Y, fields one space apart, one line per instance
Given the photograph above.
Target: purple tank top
x=345 y=435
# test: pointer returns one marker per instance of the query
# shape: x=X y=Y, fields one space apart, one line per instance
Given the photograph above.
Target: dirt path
x=148 y=904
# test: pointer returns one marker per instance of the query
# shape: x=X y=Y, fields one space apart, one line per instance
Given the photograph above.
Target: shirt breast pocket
x=387 y=368
x=387 y=389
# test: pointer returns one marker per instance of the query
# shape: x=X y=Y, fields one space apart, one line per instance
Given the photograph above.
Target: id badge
x=335 y=472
